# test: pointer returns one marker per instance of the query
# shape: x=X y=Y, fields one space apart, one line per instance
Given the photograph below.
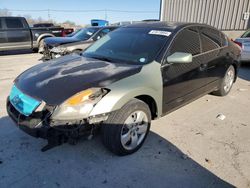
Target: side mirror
x=180 y=57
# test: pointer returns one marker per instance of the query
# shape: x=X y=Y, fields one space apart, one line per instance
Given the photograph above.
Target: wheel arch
x=151 y=103
x=116 y=100
x=235 y=64
x=43 y=36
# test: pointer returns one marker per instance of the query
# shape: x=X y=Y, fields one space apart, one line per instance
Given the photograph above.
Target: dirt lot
x=188 y=148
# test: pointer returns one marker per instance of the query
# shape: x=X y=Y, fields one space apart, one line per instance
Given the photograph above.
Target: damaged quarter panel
x=57 y=80
x=148 y=81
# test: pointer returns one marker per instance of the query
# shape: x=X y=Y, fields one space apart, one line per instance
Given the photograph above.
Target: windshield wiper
x=102 y=58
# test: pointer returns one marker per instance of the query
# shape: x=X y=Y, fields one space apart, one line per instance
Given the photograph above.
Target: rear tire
x=226 y=83
x=35 y=50
x=126 y=129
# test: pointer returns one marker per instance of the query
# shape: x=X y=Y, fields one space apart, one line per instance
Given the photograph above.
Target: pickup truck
x=66 y=31
x=15 y=34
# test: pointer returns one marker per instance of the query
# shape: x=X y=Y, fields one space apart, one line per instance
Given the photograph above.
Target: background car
x=66 y=31
x=123 y=81
x=55 y=47
x=16 y=34
x=244 y=43
x=43 y=25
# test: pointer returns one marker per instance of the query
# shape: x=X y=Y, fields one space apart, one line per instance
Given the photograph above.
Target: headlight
x=58 y=49
x=79 y=105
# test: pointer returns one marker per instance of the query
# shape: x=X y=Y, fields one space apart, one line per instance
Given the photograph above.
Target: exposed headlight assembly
x=58 y=49
x=79 y=105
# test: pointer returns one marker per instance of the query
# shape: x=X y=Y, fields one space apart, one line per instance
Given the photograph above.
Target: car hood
x=78 y=44
x=55 y=41
x=57 y=80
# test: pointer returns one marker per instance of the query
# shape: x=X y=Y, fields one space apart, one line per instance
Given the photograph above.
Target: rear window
x=210 y=39
x=13 y=23
x=246 y=34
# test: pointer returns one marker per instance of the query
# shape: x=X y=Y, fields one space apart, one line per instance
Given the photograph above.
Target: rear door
x=183 y=82
x=214 y=50
x=18 y=33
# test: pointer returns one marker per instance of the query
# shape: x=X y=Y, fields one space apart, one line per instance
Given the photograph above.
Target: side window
x=14 y=23
x=210 y=39
x=186 y=41
x=102 y=33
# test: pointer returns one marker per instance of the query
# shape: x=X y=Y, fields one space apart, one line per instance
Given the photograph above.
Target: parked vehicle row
x=55 y=47
x=15 y=33
x=127 y=78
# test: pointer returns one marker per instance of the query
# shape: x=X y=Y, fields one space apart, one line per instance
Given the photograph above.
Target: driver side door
x=183 y=82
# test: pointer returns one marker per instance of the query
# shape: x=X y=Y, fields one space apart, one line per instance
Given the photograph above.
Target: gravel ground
x=190 y=147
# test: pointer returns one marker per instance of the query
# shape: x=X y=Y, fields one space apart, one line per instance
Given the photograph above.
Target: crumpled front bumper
x=35 y=125
x=39 y=124
x=48 y=53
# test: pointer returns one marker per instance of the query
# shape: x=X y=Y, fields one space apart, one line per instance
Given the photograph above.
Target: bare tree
x=5 y=12
x=32 y=21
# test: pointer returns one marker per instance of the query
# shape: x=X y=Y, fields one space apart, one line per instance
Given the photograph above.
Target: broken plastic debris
x=221 y=116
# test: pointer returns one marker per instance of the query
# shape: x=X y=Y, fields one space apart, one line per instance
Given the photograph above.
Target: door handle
x=203 y=66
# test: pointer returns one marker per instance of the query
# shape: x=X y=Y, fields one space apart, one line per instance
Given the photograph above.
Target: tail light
x=238 y=43
x=63 y=33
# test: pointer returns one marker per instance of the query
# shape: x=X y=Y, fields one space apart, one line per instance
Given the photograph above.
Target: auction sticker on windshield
x=89 y=33
x=158 y=32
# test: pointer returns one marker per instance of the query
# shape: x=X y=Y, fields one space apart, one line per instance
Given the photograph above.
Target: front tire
x=126 y=129
x=226 y=83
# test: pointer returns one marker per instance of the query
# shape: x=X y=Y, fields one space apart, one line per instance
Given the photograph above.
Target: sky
x=149 y=9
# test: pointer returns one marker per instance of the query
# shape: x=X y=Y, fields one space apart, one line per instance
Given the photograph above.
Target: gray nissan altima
x=129 y=77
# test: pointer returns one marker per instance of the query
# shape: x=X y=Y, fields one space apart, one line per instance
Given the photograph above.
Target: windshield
x=129 y=45
x=85 y=34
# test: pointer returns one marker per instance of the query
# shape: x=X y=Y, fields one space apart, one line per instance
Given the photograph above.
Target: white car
x=244 y=43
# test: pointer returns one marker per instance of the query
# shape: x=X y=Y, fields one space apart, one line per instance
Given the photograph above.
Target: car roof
x=171 y=26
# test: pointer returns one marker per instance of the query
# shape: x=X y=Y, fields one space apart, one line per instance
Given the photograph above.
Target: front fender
x=116 y=100
x=147 y=82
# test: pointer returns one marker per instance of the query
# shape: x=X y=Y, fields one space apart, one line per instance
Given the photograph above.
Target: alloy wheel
x=134 y=130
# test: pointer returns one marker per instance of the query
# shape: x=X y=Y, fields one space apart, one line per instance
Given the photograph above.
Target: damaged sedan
x=54 y=47
x=129 y=77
